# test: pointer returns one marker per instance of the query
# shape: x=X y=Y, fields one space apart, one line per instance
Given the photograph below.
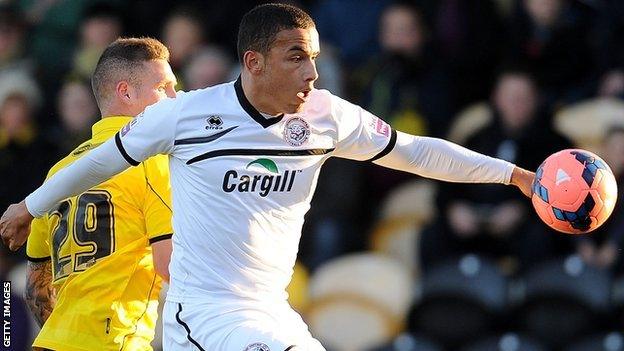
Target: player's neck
x=115 y=113
x=257 y=96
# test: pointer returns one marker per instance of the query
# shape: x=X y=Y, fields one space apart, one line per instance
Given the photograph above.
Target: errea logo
x=269 y=180
x=214 y=122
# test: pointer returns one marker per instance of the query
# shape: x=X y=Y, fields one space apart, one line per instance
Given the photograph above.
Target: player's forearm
x=161 y=253
x=40 y=295
x=94 y=168
x=443 y=160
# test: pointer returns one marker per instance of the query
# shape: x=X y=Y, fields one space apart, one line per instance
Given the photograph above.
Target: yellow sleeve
x=157 y=206
x=38 y=245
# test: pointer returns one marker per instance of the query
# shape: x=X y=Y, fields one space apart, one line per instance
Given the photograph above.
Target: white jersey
x=242 y=183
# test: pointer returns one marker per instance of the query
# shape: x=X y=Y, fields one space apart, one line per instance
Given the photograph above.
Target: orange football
x=574 y=191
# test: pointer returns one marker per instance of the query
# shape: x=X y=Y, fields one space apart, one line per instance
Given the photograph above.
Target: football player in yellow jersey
x=92 y=276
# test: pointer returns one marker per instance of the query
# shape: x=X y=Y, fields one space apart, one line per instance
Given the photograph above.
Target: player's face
x=157 y=82
x=290 y=68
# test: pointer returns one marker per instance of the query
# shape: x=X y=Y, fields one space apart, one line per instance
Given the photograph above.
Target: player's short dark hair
x=259 y=26
x=122 y=60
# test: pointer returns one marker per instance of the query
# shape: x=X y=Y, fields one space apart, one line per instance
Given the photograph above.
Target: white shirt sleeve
x=361 y=135
x=97 y=166
x=443 y=160
x=151 y=132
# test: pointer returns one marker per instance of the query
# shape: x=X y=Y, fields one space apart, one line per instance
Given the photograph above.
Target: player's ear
x=253 y=61
x=123 y=92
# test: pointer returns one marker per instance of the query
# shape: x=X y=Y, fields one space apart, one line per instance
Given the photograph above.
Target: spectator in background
x=17 y=81
x=491 y=220
x=183 y=34
x=404 y=83
x=24 y=156
x=12 y=50
x=224 y=20
x=207 y=67
x=54 y=29
x=101 y=24
x=612 y=84
x=468 y=35
x=602 y=248
x=16 y=69
x=350 y=26
x=77 y=112
x=552 y=40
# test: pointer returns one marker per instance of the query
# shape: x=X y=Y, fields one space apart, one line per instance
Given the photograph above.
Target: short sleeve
x=150 y=133
x=361 y=135
x=38 y=245
x=157 y=205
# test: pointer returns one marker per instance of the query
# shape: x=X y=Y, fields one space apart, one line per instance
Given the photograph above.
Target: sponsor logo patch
x=263 y=178
x=296 y=131
x=130 y=124
x=381 y=127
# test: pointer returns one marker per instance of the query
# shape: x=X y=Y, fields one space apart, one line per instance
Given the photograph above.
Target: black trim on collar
x=248 y=107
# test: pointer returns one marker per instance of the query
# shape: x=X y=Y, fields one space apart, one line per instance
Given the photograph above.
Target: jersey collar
x=248 y=107
x=109 y=125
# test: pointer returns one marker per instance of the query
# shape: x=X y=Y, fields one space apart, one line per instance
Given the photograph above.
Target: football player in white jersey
x=244 y=160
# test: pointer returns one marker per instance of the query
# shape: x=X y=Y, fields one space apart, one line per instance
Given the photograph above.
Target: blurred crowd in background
x=388 y=260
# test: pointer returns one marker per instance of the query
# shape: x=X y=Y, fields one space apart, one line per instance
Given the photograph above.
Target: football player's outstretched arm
x=40 y=294
x=94 y=168
x=443 y=160
x=155 y=135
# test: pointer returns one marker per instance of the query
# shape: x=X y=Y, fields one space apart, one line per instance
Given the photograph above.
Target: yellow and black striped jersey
x=99 y=246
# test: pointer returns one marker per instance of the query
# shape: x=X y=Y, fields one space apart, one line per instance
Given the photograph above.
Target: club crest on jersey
x=257 y=346
x=296 y=131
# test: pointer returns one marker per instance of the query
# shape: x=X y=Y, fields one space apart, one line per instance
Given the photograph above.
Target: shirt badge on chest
x=296 y=131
